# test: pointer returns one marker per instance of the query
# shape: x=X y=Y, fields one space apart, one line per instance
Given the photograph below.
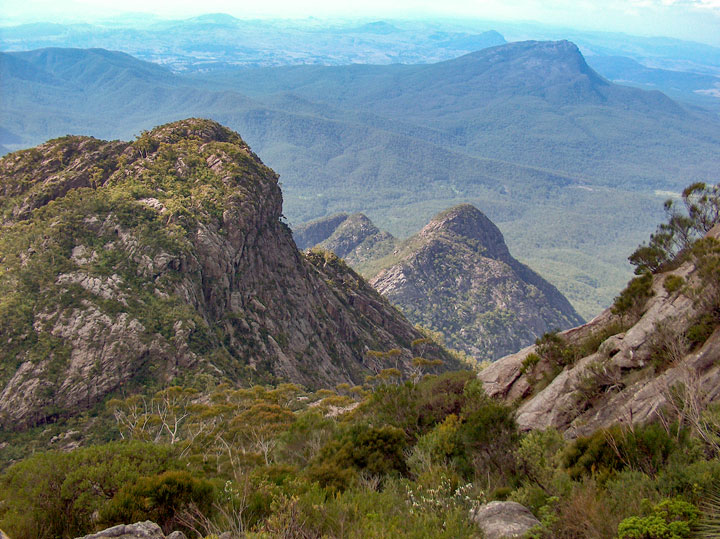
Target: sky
x=697 y=20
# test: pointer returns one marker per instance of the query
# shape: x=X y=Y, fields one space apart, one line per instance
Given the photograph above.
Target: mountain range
x=402 y=142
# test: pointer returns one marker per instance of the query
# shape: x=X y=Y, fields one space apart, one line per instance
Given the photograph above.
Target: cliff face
x=124 y=263
x=624 y=367
x=457 y=276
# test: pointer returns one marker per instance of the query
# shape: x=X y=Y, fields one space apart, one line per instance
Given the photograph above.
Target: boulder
x=139 y=530
x=501 y=520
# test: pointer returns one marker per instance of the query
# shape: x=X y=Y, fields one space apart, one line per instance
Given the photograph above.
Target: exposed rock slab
x=618 y=383
x=457 y=276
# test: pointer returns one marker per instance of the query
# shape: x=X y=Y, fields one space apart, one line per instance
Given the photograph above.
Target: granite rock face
x=123 y=262
x=357 y=240
x=456 y=277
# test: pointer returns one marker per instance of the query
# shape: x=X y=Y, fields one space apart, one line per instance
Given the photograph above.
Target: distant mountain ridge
x=457 y=277
x=566 y=168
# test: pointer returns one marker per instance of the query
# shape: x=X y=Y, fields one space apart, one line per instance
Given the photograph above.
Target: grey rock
x=501 y=520
x=455 y=276
x=357 y=240
x=177 y=535
x=139 y=530
x=309 y=234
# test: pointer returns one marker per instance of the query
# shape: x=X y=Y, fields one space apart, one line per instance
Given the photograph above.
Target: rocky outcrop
x=503 y=520
x=634 y=368
x=140 y=530
x=456 y=276
x=167 y=257
x=354 y=238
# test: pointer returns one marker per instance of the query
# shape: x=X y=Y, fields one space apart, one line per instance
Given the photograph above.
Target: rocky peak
x=456 y=276
x=466 y=222
x=163 y=257
x=357 y=240
x=195 y=129
x=552 y=59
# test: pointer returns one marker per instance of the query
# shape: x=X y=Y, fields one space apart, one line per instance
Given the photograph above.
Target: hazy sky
x=688 y=19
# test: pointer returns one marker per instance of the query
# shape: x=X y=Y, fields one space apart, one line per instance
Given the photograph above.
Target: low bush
x=161 y=498
x=673 y=283
x=633 y=298
x=669 y=519
x=644 y=448
x=55 y=494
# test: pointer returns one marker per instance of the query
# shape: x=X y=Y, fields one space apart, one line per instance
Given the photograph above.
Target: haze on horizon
x=696 y=20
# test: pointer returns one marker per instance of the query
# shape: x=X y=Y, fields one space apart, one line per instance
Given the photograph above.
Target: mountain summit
x=124 y=265
x=456 y=276
x=465 y=222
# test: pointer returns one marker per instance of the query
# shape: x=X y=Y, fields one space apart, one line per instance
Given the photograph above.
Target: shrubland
x=404 y=458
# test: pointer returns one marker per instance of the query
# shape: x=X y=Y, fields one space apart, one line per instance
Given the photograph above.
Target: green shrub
x=436 y=447
x=377 y=451
x=670 y=519
x=555 y=349
x=160 y=498
x=684 y=227
x=55 y=494
x=673 y=283
x=702 y=327
x=633 y=298
x=644 y=448
x=489 y=436
x=539 y=455
x=528 y=364
x=689 y=475
x=417 y=408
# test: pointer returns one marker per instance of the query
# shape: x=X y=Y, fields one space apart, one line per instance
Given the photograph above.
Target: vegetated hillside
x=456 y=277
x=127 y=265
x=533 y=103
x=652 y=356
x=566 y=164
x=407 y=455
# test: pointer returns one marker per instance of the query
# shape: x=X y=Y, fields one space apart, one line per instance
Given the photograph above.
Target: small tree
x=700 y=211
